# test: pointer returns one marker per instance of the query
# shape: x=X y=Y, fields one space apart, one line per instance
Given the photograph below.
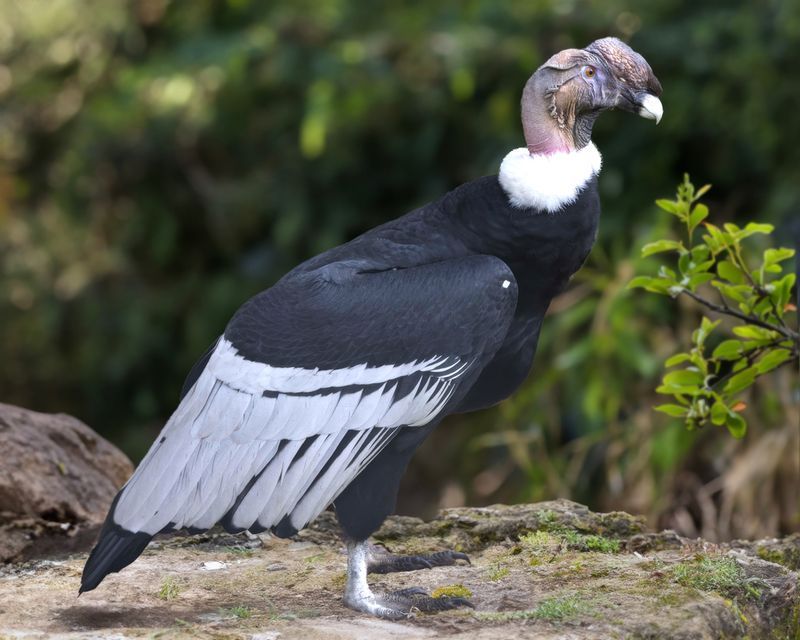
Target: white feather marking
x=263 y=488
x=224 y=433
x=547 y=182
x=225 y=486
x=256 y=377
x=365 y=409
x=256 y=421
x=298 y=477
x=398 y=412
x=341 y=415
x=222 y=414
x=328 y=485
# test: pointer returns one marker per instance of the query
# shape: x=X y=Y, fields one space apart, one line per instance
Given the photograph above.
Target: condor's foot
x=392 y=606
x=379 y=560
x=403 y=604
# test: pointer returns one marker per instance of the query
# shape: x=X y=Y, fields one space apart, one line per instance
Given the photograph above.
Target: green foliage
x=170 y=589
x=497 y=572
x=562 y=607
x=721 y=574
x=239 y=611
x=452 y=590
x=753 y=292
x=540 y=541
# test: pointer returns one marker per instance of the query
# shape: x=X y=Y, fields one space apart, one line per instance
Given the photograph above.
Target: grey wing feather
x=259 y=456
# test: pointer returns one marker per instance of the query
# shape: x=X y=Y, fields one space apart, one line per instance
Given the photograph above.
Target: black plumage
x=322 y=387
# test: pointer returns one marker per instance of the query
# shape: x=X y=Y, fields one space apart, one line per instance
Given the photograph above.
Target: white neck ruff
x=547 y=182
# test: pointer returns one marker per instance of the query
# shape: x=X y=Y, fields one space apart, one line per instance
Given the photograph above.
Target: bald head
x=565 y=95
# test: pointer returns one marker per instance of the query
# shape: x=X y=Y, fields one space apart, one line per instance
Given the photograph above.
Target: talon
x=411 y=591
x=382 y=561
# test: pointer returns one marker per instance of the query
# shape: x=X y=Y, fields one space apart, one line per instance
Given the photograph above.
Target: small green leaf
x=729 y=271
x=702 y=191
x=755 y=333
x=751 y=229
x=671 y=390
x=662 y=245
x=728 y=350
x=656 y=285
x=755 y=227
x=683 y=263
x=666 y=273
x=740 y=381
x=685 y=377
x=700 y=253
x=699 y=278
x=772 y=360
x=706 y=327
x=774 y=256
x=674 y=410
x=736 y=425
x=670 y=206
x=677 y=359
x=719 y=413
x=783 y=292
x=699 y=213
x=737 y=293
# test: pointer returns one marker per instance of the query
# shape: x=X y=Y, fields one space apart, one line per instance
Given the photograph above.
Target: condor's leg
x=361 y=509
x=395 y=605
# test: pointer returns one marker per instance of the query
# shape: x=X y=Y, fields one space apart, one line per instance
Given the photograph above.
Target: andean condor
x=321 y=388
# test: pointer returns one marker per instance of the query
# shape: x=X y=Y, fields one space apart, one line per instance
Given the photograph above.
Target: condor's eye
x=589 y=72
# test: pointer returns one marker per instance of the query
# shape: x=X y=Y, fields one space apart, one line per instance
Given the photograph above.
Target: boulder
x=57 y=477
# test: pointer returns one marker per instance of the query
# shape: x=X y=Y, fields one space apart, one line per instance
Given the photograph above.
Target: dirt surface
x=57 y=478
x=550 y=570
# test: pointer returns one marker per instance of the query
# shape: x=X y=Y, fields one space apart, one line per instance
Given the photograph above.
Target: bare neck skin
x=549 y=117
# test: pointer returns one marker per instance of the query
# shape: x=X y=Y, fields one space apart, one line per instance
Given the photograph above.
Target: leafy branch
x=754 y=294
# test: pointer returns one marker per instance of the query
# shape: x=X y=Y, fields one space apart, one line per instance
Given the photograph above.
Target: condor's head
x=565 y=95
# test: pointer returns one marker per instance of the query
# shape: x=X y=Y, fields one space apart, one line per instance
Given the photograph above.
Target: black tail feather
x=116 y=548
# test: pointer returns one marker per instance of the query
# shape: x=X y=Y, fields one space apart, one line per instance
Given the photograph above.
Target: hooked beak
x=650 y=107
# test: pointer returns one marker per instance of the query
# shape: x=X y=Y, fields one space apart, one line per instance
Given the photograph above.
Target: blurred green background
x=162 y=161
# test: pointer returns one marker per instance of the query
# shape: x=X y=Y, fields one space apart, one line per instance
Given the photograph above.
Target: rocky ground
x=549 y=570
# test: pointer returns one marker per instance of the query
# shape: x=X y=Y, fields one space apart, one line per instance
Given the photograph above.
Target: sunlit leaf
x=669 y=206
x=728 y=350
x=660 y=246
x=772 y=360
x=729 y=271
x=740 y=381
x=755 y=333
x=684 y=377
x=736 y=425
x=699 y=213
x=719 y=413
x=674 y=410
x=677 y=359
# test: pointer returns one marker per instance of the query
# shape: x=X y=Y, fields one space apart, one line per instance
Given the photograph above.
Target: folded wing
x=310 y=381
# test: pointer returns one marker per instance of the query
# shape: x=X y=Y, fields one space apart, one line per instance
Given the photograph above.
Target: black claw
x=410 y=592
x=384 y=562
x=427 y=604
x=415 y=599
x=446 y=558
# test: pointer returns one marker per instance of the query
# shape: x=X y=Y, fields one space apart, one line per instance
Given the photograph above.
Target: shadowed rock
x=57 y=478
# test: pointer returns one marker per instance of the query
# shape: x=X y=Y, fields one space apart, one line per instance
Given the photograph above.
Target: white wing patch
x=256 y=444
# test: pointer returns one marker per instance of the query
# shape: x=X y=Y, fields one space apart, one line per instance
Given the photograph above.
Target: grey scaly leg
x=391 y=606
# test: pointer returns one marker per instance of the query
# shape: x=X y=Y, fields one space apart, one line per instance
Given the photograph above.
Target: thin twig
x=726 y=310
